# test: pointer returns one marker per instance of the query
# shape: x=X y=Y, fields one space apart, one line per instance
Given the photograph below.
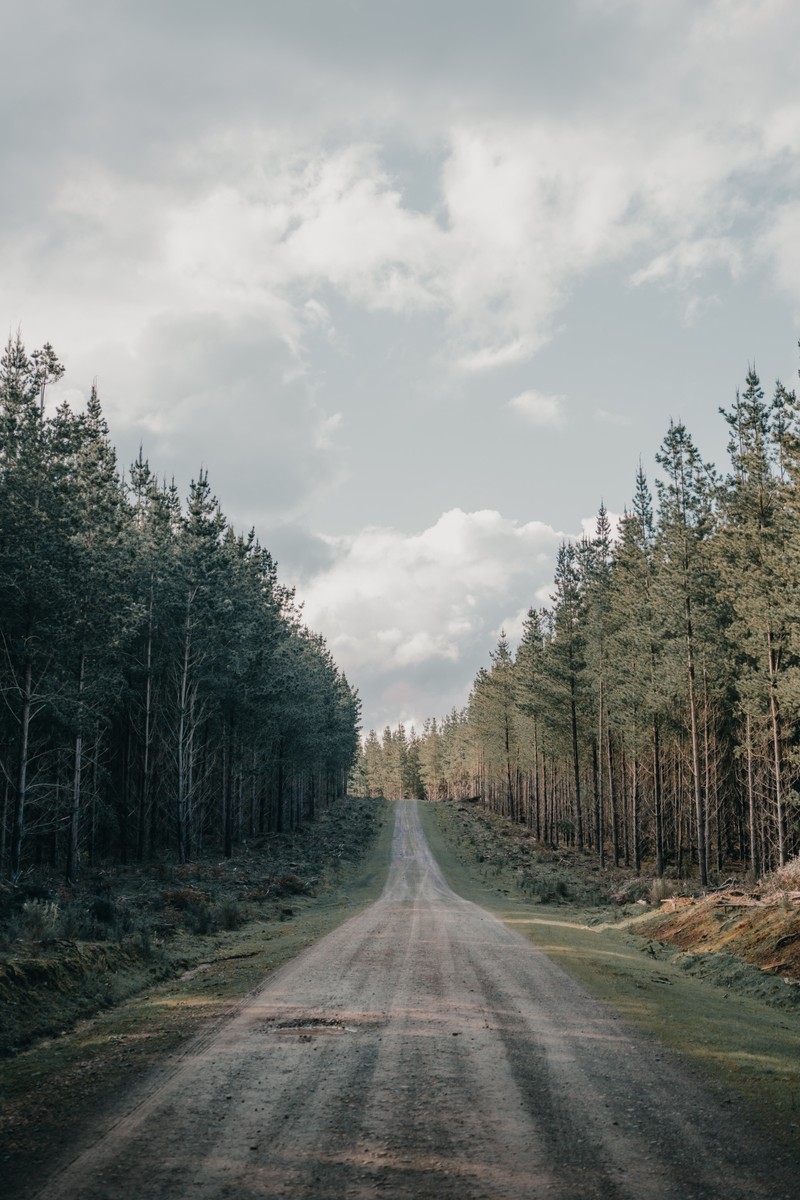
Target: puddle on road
x=310 y=1026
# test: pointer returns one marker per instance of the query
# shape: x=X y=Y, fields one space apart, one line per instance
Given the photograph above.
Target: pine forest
x=161 y=694
x=651 y=714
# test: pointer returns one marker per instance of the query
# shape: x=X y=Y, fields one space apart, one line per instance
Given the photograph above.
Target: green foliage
x=654 y=709
x=160 y=692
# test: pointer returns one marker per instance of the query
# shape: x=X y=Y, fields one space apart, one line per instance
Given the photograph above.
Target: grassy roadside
x=748 y=1050
x=49 y=1092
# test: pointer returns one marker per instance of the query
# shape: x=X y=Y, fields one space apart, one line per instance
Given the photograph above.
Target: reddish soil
x=764 y=932
x=423 y=1050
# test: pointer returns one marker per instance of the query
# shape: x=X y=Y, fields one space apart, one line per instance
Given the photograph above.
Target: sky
x=419 y=284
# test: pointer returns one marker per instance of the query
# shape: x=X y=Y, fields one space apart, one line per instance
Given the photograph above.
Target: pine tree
x=687 y=588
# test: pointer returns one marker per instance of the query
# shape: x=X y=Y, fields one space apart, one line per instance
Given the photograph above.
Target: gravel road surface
x=424 y=1050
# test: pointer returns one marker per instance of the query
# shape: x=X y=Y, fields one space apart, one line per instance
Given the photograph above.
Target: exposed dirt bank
x=424 y=1050
x=50 y=1091
x=736 y=1024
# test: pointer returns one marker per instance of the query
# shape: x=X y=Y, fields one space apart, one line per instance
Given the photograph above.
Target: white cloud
x=539 y=408
x=611 y=418
x=391 y=603
x=589 y=525
x=780 y=244
x=690 y=260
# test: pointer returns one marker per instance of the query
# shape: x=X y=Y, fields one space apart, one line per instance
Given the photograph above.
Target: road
x=425 y=1050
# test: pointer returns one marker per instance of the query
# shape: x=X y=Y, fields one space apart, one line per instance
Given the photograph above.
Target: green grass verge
x=745 y=1049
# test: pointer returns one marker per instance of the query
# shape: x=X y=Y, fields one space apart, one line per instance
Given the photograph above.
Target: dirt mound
x=760 y=929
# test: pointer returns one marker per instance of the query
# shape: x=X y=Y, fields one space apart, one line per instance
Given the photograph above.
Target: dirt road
x=424 y=1050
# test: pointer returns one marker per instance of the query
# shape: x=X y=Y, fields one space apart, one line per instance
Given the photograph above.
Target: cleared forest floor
x=688 y=972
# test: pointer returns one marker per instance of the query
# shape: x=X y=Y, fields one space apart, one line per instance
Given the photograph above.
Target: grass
x=748 y=1050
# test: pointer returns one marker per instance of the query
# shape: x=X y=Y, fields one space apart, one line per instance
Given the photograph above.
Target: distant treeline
x=160 y=694
x=653 y=712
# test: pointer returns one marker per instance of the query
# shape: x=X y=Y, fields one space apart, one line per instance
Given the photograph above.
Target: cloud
x=312 y=217
x=201 y=390
x=539 y=409
x=611 y=418
x=691 y=260
x=589 y=525
x=425 y=606
x=780 y=245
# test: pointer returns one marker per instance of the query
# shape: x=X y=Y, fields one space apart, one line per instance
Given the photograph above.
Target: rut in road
x=425 y=1050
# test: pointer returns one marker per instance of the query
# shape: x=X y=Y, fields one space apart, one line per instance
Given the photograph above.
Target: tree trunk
x=658 y=813
x=700 y=824
x=73 y=845
x=18 y=830
x=598 y=806
x=776 y=752
x=576 y=766
x=637 y=863
x=183 y=702
x=612 y=799
x=144 y=795
x=751 y=800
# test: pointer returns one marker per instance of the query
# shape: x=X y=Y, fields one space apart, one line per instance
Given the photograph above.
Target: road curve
x=425 y=1050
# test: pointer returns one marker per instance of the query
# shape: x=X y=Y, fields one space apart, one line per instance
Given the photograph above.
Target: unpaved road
x=424 y=1050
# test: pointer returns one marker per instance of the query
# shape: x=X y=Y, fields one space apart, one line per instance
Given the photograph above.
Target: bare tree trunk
x=612 y=798
x=637 y=863
x=658 y=813
x=73 y=846
x=183 y=703
x=576 y=765
x=598 y=806
x=776 y=753
x=18 y=830
x=227 y=797
x=700 y=824
x=751 y=799
x=144 y=796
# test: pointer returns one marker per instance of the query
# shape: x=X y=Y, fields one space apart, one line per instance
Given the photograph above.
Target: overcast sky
x=418 y=282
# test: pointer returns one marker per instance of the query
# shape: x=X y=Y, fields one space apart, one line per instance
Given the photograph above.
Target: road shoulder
x=748 y=1051
x=52 y=1093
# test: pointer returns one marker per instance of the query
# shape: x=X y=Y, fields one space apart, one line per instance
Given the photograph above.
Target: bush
x=786 y=878
x=39 y=919
x=228 y=915
x=200 y=919
x=661 y=889
x=103 y=910
x=183 y=898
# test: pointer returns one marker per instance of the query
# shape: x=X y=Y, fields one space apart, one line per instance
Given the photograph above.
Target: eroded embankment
x=733 y=1021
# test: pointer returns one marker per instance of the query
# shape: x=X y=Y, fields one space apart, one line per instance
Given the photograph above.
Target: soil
x=423 y=1049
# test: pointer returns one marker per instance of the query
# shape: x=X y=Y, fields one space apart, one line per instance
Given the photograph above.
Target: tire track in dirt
x=425 y=1050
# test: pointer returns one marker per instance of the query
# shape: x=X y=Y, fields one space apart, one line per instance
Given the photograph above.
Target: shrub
x=200 y=919
x=786 y=878
x=103 y=910
x=39 y=919
x=661 y=889
x=228 y=915
x=183 y=898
